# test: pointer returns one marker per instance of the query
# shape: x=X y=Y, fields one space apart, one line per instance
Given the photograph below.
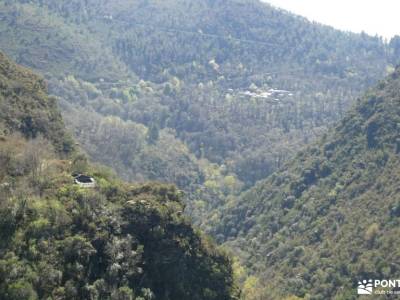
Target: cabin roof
x=84 y=179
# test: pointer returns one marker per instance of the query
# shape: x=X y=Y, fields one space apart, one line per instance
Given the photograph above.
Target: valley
x=278 y=133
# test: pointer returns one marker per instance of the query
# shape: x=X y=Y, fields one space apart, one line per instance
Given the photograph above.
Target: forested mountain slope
x=235 y=86
x=232 y=32
x=114 y=241
x=26 y=108
x=330 y=216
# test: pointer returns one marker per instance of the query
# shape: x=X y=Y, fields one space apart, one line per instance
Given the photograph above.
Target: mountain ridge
x=177 y=66
x=330 y=210
x=26 y=108
x=113 y=240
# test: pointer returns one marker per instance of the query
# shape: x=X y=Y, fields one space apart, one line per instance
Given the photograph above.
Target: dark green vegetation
x=114 y=241
x=26 y=108
x=331 y=215
x=192 y=84
x=214 y=96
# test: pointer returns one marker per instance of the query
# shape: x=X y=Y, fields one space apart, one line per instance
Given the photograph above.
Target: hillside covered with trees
x=210 y=95
x=250 y=119
x=114 y=241
x=331 y=215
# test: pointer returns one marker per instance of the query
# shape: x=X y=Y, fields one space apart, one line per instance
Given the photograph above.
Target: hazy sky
x=372 y=16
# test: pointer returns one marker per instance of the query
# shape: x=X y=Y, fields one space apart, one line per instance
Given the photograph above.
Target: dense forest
x=61 y=241
x=235 y=86
x=216 y=98
x=331 y=215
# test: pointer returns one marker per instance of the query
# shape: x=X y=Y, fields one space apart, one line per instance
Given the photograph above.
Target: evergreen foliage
x=330 y=216
x=185 y=66
x=212 y=96
x=114 y=241
x=26 y=108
